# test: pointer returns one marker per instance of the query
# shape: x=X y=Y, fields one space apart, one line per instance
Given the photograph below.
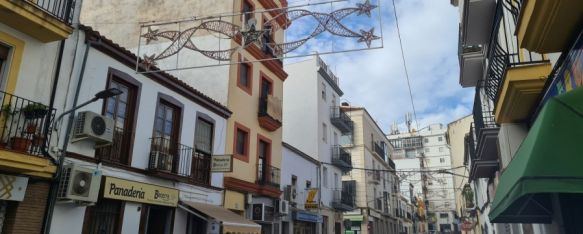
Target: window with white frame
x=323 y=91
x=440 y=149
x=324 y=132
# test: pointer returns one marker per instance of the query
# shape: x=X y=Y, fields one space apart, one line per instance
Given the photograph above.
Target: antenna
x=408 y=121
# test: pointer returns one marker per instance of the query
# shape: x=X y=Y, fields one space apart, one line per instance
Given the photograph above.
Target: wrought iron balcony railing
x=118 y=150
x=343 y=200
x=176 y=159
x=503 y=49
x=268 y=175
x=22 y=124
x=61 y=9
x=341 y=120
x=483 y=111
x=341 y=158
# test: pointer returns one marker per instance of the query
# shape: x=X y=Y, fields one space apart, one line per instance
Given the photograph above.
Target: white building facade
x=155 y=174
x=314 y=123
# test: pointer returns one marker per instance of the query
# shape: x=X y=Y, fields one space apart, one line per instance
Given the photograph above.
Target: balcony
x=118 y=151
x=270 y=113
x=547 y=26
x=472 y=62
x=268 y=175
x=481 y=143
x=341 y=120
x=45 y=20
x=343 y=200
x=476 y=21
x=328 y=75
x=515 y=77
x=341 y=158
x=22 y=124
x=178 y=162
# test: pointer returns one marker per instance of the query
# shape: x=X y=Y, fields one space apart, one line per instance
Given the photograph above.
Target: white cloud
x=376 y=80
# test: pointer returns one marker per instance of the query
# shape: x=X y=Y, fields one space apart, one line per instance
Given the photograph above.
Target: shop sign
x=570 y=75
x=127 y=190
x=12 y=188
x=222 y=163
x=308 y=217
x=311 y=202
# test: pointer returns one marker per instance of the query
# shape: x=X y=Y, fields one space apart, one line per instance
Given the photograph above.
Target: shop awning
x=547 y=162
x=231 y=222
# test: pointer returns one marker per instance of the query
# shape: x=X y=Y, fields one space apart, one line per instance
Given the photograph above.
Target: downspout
x=55 y=186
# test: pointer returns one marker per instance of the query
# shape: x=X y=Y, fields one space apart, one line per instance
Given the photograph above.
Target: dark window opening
x=103 y=217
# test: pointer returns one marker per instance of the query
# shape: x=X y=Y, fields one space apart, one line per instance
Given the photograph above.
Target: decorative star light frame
x=216 y=40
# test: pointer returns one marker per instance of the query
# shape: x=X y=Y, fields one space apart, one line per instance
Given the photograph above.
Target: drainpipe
x=55 y=185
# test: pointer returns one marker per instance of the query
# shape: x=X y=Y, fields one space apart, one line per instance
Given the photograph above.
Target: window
x=324 y=132
x=4 y=51
x=308 y=184
x=241 y=143
x=165 y=136
x=247 y=11
x=440 y=139
x=104 y=217
x=156 y=219
x=245 y=77
x=336 y=181
x=335 y=138
x=443 y=215
x=333 y=100
x=325 y=177
x=323 y=91
x=440 y=149
x=426 y=140
x=410 y=153
x=426 y=150
x=195 y=224
x=263 y=159
x=204 y=136
x=441 y=160
x=267 y=38
x=121 y=109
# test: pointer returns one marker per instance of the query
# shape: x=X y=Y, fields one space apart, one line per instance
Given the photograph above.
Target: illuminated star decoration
x=151 y=35
x=149 y=61
x=367 y=37
x=365 y=8
x=252 y=35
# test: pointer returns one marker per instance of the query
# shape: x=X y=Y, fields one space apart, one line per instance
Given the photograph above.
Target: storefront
x=219 y=220
x=156 y=205
x=355 y=224
x=306 y=222
x=21 y=202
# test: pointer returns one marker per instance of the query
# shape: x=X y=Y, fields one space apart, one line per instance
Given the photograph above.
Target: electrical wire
x=405 y=64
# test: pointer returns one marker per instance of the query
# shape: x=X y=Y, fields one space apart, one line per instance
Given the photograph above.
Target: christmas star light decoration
x=149 y=61
x=365 y=8
x=151 y=35
x=367 y=36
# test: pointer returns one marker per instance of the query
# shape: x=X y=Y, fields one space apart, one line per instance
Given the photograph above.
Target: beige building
x=251 y=90
x=377 y=189
x=456 y=137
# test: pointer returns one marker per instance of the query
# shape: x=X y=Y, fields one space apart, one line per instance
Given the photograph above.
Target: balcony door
x=165 y=138
x=3 y=65
x=121 y=109
x=263 y=159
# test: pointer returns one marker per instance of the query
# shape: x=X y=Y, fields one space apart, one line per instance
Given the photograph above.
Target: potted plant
x=34 y=111
x=20 y=143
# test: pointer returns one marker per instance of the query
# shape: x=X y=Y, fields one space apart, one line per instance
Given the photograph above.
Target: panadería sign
x=127 y=190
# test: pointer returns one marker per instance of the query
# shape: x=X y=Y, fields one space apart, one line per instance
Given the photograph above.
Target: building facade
x=315 y=123
x=301 y=185
x=422 y=153
x=251 y=90
x=377 y=196
x=32 y=38
x=523 y=61
x=464 y=199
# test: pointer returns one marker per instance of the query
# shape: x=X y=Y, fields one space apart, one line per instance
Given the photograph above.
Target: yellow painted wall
x=245 y=109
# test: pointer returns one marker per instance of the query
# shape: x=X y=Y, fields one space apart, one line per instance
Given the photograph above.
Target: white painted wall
x=304 y=170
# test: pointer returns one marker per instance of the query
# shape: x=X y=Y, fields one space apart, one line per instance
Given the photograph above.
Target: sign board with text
x=222 y=163
x=128 y=190
x=311 y=202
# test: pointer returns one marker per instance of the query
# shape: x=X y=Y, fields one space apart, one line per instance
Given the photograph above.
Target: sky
x=375 y=79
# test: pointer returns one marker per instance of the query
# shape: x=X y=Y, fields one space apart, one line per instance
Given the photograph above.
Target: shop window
x=122 y=109
x=195 y=225
x=104 y=217
x=156 y=219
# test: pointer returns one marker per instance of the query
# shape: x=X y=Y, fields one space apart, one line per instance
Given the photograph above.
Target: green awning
x=548 y=161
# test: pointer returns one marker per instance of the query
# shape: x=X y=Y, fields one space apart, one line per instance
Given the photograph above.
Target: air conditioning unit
x=290 y=193
x=283 y=206
x=79 y=184
x=258 y=212
x=90 y=125
x=161 y=161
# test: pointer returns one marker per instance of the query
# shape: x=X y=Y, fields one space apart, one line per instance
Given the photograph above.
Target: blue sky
x=376 y=80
